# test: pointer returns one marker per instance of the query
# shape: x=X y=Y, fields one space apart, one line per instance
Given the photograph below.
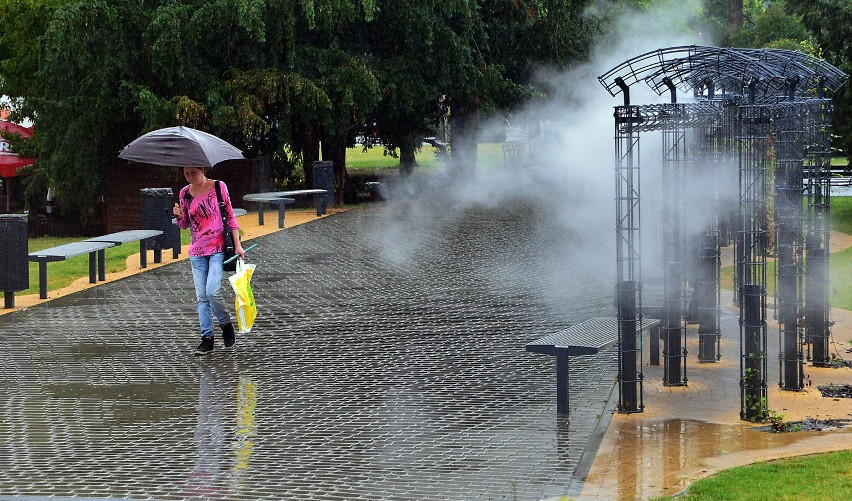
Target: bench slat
x=267 y=198
x=585 y=338
x=279 y=196
x=272 y=198
x=123 y=237
x=65 y=251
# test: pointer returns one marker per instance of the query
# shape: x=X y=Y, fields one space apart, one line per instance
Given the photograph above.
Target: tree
x=471 y=57
x=830 y=23
x=74 y=95
x=400 y=43
x=108 y=70
x=494 y=47
x=268 y=75
x=735 y=19
x=775 y=24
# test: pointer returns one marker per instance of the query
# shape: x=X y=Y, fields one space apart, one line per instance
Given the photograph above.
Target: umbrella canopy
x=180 y=147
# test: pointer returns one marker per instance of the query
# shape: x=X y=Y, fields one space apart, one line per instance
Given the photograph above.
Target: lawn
x=377 y=160
x=840 y=263
x=62 y=273
x=819 y=477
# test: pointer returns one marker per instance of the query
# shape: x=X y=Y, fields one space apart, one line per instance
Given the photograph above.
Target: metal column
x=789 y=244
x=818 y=162
x=751 y=243
x=628 y=273
x=674 y=241
x=707 y=297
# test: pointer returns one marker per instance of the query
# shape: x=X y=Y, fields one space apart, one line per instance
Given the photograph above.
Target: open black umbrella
x=180 y=147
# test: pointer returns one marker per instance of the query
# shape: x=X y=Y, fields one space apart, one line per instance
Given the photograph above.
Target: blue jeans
x=207 y=275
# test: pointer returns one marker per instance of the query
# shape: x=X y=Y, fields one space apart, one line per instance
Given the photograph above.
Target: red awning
x=6 y=126
x=9 y=162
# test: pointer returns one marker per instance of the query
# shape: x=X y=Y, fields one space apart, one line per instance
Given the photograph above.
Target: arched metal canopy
x=768 y=74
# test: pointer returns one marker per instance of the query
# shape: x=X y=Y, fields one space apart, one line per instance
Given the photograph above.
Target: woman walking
x=198 y=210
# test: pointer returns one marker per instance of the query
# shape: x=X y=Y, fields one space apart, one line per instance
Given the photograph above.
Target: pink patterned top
x=201 y=216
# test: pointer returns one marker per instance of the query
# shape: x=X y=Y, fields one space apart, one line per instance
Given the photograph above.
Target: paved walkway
x=387 y=362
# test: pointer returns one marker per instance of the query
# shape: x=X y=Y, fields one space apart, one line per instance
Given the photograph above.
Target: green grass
x=62 y=273
x=376 y=158
x=819 y=477
x=840 y=263
x=840 y=269
x=841 y=214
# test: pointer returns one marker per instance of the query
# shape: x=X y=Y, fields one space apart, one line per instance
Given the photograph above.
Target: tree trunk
x=309 y=146
x=464 y=127
x=407 y=160
x=735 y=20
x=335 y=150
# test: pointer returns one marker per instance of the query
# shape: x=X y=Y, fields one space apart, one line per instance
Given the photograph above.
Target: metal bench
x=263 y=198
x=123 y=237
x=585 y=338
x=276 y=197
x=63 y=252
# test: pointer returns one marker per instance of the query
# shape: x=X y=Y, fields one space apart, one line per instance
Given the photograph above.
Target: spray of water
x=568 y=168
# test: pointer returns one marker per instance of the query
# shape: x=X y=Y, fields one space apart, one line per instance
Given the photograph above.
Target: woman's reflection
x=224 y=433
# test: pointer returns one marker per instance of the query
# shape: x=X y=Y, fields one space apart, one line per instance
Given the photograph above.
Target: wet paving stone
x=387 y=362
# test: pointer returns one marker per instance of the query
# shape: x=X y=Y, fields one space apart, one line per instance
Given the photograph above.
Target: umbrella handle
x=250 y=247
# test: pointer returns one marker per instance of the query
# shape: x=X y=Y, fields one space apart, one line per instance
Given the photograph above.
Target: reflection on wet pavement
x=387 y=361
x=663 y=457
x=654 y=453
x=370 y=374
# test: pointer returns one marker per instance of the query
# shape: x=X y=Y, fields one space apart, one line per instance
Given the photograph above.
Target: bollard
x=324 y=180
x=14 y=261
x=156 y=206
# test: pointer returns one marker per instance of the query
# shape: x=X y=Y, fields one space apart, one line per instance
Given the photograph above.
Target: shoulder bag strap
x=221 y=206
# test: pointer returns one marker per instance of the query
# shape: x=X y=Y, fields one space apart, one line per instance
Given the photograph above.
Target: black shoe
x=228 y=335
x=206 y=346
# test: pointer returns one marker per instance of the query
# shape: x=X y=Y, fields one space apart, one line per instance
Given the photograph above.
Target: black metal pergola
x=764 y=116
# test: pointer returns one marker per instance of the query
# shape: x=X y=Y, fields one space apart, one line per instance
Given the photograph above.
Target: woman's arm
x=181 y=211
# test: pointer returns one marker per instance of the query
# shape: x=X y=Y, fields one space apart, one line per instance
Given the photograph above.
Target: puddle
x=663 y=457
x=94 y=350
x=148 y=392
x=315 y=258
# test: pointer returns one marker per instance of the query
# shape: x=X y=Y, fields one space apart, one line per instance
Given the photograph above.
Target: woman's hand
x=176 y=210
x=238 y=249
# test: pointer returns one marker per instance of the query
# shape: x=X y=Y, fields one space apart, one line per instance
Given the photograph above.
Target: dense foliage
x=271 y=76
x=830 y=24
x=288 y=77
